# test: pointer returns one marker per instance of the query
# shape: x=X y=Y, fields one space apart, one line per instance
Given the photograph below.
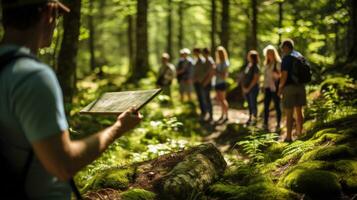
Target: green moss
x=349 y=184
x=252 y=192
x=245 y=175
x=138 y=194
x=193 y=174
x=274 y=151
x=113 y=178
x=348 y=167
x=317 y=184
x=328 y=153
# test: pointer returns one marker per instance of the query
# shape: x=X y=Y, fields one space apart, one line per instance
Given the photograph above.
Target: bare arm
x=63 y=158
x=284 y=77
x=209 y=76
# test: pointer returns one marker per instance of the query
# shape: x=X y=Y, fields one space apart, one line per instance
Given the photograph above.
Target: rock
x=316 y=184
x=196 y=172
x=329 y=153
x=262 y=191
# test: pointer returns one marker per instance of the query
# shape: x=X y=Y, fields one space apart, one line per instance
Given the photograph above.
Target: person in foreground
x=31 y=108
x=294 y=94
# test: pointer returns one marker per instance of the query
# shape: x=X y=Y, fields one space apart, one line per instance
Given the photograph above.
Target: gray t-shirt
x=31 y=109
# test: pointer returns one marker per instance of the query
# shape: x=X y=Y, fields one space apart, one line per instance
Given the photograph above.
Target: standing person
x=200 y=78
x=35 y=143
x=167 y=73
x=272 y=73
x=251 y=85
x=184 y=71
x=294 y=94
x=209 y=66
x=222 y=64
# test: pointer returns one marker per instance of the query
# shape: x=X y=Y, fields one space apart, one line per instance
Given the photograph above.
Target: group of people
x=279 y=85
x=202 y=72
x=197 y=74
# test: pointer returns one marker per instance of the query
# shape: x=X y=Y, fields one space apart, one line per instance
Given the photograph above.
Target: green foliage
x=298 y=147
x=137 y=194
x=252 y=145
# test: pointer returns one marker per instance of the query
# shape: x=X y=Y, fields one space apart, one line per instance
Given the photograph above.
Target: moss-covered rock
x=195 y=173
x=329 y=153
x=265 y=191
x=137 y=194
x=317 y=184
x=116 y=178
x=347 y=170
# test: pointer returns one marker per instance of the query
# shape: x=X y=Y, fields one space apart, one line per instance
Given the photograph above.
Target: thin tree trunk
x=130 y=32
x=67 y=59
x=180 y=24
x=280 y=3
x=169 y=28
x=254 y=24
x=141 y=66
x=352 y=55
x=91 y=39
x=225 y=24
x=213 y=26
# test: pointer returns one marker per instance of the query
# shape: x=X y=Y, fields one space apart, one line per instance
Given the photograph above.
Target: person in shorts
x=294 y=94
x=222 y=64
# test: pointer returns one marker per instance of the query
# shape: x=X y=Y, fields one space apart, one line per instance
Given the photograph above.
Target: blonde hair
x=275 y=52
x=223 y=52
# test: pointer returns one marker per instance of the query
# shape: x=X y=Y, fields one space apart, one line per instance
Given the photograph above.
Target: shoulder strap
x=11 y=56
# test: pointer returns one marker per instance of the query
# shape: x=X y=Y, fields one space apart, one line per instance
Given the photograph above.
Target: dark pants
x=204 y=99
x=267 y=99
x=251 y=97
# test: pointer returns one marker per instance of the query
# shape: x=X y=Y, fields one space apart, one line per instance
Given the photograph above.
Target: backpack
x=14 y=188
x=301 y=70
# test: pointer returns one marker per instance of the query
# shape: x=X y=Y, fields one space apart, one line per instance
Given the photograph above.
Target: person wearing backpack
x=292 y=87
x=37 y=154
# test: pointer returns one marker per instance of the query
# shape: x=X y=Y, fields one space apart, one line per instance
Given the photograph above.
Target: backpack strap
x=11 y=56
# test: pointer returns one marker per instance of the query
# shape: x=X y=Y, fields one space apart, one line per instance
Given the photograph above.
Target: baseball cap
x=20 y=3
x=185 y=51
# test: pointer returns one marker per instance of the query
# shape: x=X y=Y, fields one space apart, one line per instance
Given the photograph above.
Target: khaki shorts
x=294 y=95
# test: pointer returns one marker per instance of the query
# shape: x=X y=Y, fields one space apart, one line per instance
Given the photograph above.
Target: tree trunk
x=91 y=39
x=67 y=59
x=213 y=26
x=141 y=66
x=130 y=32
x=225 y=24
x=352 y=55
x=180 y=24
x=254 y=24
x=280 y=3
x=169 y=28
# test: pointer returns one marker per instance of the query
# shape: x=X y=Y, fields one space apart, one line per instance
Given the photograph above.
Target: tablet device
x=114 y=103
